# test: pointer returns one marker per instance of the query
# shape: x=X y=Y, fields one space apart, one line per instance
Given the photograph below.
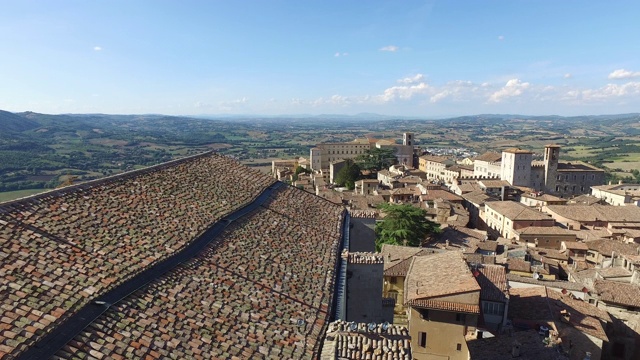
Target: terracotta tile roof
x=528 y=303
x=614 y=272
x=440 y=194
x=405 y=191
x=516 y=211
x=597 y=212
x=394 y=254
x=618 y=293
x=493 y=183
x=364 y=214
x=264 y=290
x=584 y=200
x=488 y=245
x=575 y=245
x=499 y=347
x=489 y=157
x=401 y=268
x=342 y=342
x=541 y=304
x=493 y=283
x=445 y=305
x=478 y=197
x=517 y=151
x=469 y=187
x=62 y=248
x=436 y=275
x=576 y=166
x=607 y=246
x=480 y=259
x=433 y=158
x=550 y=254
x=584 y=317
x=365 y=258
x=557 y=284
x=544 y=197
x=544 y=230
x=515 y=264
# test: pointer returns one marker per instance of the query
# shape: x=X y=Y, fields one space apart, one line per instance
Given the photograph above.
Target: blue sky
x=410 y=58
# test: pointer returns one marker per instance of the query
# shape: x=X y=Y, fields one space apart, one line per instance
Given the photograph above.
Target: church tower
x=551 y=156
x=407 y=139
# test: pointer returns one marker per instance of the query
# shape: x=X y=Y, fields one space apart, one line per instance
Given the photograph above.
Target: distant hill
x=12 y=123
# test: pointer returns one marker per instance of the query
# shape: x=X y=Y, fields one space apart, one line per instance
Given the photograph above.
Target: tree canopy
x=348 y=175
x=405 y=225
x=300 y=170
x=377 y=159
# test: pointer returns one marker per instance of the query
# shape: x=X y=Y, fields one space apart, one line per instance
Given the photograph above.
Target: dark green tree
x=405 y=225
x=348 y=175
x=298 y=171
x=377 y=159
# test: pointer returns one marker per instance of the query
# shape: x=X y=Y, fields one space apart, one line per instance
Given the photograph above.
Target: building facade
x=325 y=153
x=563 y=179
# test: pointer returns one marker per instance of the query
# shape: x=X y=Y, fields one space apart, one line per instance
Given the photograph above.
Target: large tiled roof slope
x=61 y=249
x=263 y=291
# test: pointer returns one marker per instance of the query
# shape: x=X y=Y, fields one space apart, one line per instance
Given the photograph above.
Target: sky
x=269 y=57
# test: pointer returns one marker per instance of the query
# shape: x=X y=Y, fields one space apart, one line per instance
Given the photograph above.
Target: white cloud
x=612 y=91
x=416 y=79
x=404 y=92
x=514 y=87
x=391 y=48
x=501 y=37
x=624 y=74
x=458 y=90
x=440 y=96
x=567 y=76
x=338 y=54
x=97 y=48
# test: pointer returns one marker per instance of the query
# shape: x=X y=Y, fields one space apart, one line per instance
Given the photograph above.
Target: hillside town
x=537 y=258
x=202 y=257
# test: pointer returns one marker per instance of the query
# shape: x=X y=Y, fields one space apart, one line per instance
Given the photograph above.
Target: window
x=393 y=280
x=422 y=339
x=424 y=314
x=459 y=347
x=491 y=308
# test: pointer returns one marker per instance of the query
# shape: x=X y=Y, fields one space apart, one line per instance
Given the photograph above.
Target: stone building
x=443 y=298
x=325 y=153
x=550 y=175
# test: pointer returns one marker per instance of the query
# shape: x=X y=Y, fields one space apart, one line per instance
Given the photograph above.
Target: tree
x=377 y=159
x=348 y=175
x=405 y=225
x=299 y=170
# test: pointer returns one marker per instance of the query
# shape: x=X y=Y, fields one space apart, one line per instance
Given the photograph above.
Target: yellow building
x=396 y=264
x=325 y=153
x=443 y=298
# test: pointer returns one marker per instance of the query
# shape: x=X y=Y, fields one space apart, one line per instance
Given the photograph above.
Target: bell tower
x=551 y=156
